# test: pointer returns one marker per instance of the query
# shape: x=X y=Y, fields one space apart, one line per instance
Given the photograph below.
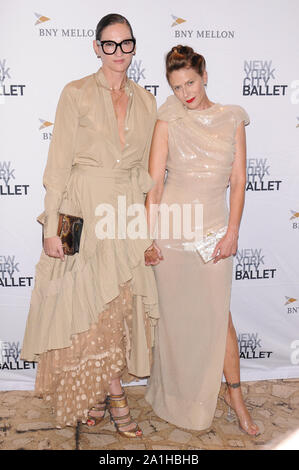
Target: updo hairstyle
x=184 y=57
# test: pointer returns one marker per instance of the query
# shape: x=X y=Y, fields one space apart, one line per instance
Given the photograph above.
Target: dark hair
x=112 y=18
x=184 y=56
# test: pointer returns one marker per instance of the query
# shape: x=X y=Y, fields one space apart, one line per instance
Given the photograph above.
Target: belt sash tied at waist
x=137 y=176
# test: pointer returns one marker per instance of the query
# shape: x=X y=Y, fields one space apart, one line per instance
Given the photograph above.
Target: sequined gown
x=194 y=297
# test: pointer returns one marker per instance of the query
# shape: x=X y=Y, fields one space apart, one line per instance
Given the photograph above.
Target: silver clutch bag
x=206 y=246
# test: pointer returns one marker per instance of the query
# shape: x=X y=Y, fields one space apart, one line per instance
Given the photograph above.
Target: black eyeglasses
x=109 y=47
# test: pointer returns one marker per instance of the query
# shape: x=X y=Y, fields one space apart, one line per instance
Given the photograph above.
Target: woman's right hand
x=53 y=247
x=153 y=255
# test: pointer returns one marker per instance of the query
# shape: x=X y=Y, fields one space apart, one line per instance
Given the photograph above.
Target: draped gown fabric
x=194 y=297
x=92 y=316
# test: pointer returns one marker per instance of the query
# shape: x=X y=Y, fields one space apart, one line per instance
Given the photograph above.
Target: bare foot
x=235 y=400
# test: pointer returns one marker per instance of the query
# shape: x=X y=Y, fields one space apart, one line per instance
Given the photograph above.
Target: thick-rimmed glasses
x=109 y=47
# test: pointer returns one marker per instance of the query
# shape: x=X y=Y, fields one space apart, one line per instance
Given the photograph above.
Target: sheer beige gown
x=194 y=297
x=92 y=316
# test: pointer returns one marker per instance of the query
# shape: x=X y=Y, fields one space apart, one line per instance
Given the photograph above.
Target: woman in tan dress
x=92 y=314
x=202 y=146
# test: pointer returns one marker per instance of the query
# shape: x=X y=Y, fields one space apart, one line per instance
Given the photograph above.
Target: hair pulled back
x=112 y=18
x=184 y=57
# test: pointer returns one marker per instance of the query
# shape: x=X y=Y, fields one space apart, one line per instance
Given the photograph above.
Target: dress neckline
x=201 y=111
x=103 y=83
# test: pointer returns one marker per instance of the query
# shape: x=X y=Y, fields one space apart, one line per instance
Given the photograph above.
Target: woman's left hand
x=226 y=247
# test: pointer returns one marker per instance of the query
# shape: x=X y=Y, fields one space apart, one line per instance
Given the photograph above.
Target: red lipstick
x=190 y=101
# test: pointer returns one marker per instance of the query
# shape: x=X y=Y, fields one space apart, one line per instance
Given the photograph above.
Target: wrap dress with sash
x=92 y=316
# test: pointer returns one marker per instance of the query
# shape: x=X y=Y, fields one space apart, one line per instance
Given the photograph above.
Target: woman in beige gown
x=92 y=314
x=202 y=146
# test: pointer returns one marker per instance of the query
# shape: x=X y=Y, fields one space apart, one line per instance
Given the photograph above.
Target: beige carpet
x=26 y=423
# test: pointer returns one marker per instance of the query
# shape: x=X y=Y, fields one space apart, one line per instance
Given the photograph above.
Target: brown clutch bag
x=69 y=231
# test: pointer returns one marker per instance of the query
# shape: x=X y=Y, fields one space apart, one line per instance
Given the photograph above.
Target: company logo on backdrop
x=45 y=125
x=8 y=89
x=65 y=32
x=295 y=215
x=41 y=18
x=290 y=300
x=250 y=347
x=177 y=20
x=10 y=357
x=261 y=79
x=258 y=174
x=136 y=72
x=290 y=307
x=297 y=121
x=10 y=273
x=250 y=264
x=7 y=180
x=198 y=31
x=4 y=71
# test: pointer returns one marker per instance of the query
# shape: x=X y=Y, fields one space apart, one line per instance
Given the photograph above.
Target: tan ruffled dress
x=91 y=316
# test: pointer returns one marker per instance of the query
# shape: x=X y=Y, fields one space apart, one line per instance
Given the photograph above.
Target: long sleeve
x=145 y=157
x=60 y=159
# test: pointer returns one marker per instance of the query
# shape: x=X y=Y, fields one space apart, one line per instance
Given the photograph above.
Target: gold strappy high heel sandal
x=120 y=401
x=246 y=425
x=94 y=420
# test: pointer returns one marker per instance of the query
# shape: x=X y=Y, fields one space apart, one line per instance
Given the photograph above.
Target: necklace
x=113 y=89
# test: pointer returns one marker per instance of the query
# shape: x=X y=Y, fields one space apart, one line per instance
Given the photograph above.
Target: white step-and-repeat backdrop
x=252 y=57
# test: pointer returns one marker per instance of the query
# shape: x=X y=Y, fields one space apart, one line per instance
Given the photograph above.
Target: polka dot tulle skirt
x=72 y=380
